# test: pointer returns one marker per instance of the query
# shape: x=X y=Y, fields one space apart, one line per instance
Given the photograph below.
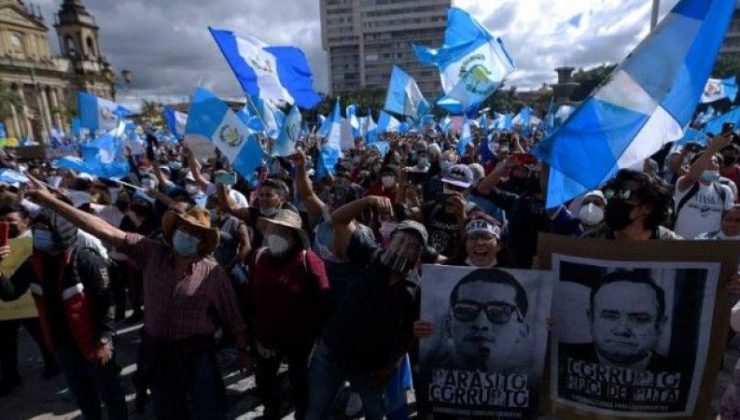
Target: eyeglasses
x=496 y=312
x=622 y=193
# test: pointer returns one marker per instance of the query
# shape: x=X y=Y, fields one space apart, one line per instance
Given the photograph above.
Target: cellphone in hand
x=226 y=178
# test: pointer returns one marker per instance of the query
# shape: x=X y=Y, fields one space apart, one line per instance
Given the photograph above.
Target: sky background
x=166 y=44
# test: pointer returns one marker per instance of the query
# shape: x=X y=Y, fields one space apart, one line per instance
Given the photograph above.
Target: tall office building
x=365 y=38
x=732 y=39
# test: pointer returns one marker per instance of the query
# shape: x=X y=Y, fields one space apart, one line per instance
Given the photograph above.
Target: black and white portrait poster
x=485 y=357
x=630 y=338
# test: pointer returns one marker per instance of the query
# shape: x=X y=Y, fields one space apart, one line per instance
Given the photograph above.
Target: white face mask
x=192 y=189
x=148 y=184
x=591 y=214
x=388 y=181
x=386 y=228
x=277 y=244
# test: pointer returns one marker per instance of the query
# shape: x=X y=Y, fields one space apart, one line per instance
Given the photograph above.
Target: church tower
x=80 y=44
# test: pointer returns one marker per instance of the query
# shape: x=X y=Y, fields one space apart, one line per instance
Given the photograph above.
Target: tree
x=150 y=109
x=589 y=80
x=8 y=99
x=726 y=66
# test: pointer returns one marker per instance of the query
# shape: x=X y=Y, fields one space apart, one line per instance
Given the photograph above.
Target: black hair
x=631 y=276
x=651 y=190
x=13 y=208
x=493 y=276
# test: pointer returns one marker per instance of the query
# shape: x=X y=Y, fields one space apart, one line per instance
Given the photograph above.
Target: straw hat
x=198 y=222
x=286 y=218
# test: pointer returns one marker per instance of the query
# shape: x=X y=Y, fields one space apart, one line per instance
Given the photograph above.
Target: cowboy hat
x=196 y=221
x=289 y=219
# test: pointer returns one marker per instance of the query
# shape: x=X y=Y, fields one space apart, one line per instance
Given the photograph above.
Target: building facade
x=365 y=38
x=47 y=84
x=731 y=45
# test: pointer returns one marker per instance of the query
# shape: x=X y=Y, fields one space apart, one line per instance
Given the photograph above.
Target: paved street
x=37 y=399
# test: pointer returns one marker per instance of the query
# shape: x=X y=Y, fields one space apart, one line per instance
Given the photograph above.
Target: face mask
x=445 y=165
x=148 y=184
x=269 y=212
x=591 y=214
x=43 y=240
x=13 y=231
x=617 y=215
x=277 y=244
x=175 y=165
x=423 y=162
x=388 y=181
x=729 y=160
x=192 y=189
x=386 y=229
x=184 y=244
x=709 y=175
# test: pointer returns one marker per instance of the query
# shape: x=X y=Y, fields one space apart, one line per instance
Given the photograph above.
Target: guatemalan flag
x=638 y=109
x=176 y=121
x=279 y=74
x=97 y=113
x=472 y=62
x=404 y=96
x=212 y=120
x=717 y=89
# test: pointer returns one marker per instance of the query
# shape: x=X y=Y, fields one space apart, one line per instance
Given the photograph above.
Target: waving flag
x=271 y=73
x=714 y=126
x=288 y=134
x=354 y=122
x=472 y=62
x=387 y=123
x=176 y=121
x=97 y=113
x=693 y=136
x=717 y=89
x=404 y=96
x=466 y=138
x=524 y=117
x=638 y=109
x=212 y=120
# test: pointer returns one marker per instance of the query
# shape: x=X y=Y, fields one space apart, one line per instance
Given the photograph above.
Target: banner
x=638 y=330
x=486 y=354
x=24 y=307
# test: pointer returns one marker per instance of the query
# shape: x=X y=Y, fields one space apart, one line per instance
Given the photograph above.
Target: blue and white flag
x=638 y=109
x=278 y=74
x=212 y=120
x=11 y=177
x=504 y=121
x=693 y=136
x=114 y=170
x=354 y=122
x=705 y=116
x=472 y=62
x=524 y=117
x=176 y=121
x=466 y=138
x=714 y=126
x=717 y=89
x=288 y=134
x=97 y=114
x=404 y=96
x=334 y=133
x=387 y=123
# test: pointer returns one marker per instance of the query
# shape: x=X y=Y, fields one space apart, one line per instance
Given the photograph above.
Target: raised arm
x=704 y=162
x=85 y=221
x=196 y=170
x=342 y=219
x=313 y=203
x=228 y=204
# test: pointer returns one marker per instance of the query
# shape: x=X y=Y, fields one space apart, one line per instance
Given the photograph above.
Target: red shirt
x=376 y=188
x=288 y=299
x=734 y=175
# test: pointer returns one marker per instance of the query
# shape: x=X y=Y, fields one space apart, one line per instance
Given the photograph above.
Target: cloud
x=167 y=46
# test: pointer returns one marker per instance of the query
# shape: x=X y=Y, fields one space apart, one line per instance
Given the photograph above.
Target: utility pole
x=654 y=15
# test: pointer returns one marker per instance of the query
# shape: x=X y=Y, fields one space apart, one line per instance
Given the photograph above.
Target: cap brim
x=457 y=183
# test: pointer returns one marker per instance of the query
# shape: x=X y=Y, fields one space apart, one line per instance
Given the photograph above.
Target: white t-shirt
x=86 y=240
x=235 y=195
x=702 y=212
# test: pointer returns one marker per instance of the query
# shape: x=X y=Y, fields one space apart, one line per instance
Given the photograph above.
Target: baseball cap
x=459 y=175
x=414 y=227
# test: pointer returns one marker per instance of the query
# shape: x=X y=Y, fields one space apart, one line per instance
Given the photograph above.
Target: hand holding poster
x=639 y=329
x=486 y=354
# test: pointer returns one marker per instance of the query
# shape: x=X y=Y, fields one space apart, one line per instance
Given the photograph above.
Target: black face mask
x=729 y=160
x=123 y=205
x=141 y=210
x=617 y=215
x=13 y=231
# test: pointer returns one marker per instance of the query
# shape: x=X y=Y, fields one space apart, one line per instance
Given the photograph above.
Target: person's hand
x=103 y=354
x=718 y=143
x=37 y=191
x=4 y=252
x=423 y=329
x=456 y=204
x=382 y=204
x=299 y=159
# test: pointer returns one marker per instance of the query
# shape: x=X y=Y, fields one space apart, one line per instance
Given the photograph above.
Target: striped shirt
x=177 y=309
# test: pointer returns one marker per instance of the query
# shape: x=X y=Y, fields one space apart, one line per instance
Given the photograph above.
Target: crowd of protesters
x=299 y=266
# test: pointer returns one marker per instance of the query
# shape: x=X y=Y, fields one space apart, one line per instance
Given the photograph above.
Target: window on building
x=90 y=46
x=70 y=45
x=16 y=44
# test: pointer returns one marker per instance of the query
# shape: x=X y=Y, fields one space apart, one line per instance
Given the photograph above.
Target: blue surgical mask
x=445 y=165
x=184 y=244
x=709 y=175
x=43 y=240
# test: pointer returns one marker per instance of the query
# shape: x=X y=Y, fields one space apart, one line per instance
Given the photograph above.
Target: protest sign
x=20 y=250
x=639 y=327
x=486 y=354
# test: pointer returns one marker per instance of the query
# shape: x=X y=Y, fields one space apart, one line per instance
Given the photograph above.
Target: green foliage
x=590 y=79
x=366 y=99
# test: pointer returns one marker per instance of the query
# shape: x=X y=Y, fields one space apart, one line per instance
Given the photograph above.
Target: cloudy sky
x=167 y=45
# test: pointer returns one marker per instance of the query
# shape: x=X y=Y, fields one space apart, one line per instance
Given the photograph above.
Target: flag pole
x=654 y=14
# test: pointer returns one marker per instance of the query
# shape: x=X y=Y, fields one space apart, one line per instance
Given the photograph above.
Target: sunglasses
x=496 y=312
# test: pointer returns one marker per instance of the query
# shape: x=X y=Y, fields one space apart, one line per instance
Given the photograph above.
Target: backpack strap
x=689 y=195
x=718 y=187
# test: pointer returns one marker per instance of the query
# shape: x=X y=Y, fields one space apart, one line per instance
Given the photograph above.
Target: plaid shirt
x=181 y=308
